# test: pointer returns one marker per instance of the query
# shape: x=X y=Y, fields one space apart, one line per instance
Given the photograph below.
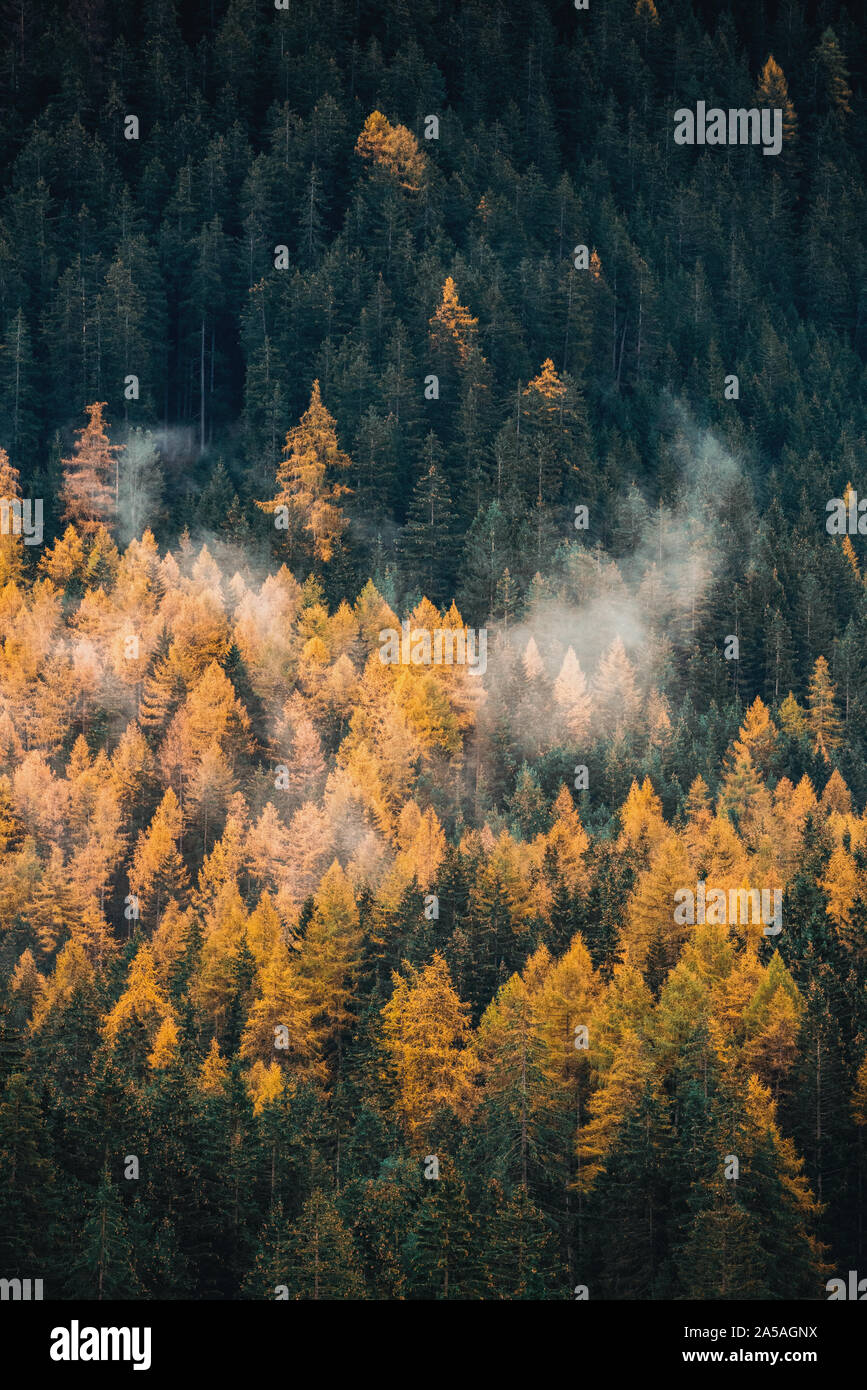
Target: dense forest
x=331 y=976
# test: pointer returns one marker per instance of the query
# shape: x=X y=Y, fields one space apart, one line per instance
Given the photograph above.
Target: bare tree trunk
x=202 y=388
x=101 y=1254
x=524 y=1115
x=17 y=382
x=819 y=1119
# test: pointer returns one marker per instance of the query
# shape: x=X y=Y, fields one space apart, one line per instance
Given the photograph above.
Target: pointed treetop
x=306 y=478
x=836 y=796
x=453 y=323
x=793 y=717
x=548 y=385
x=646 y=10
x=393 y=148
x=773 y=91
x=698 y=803
x=214 y=1072
x=89 y=488
x=831 y=61
x=534 y=667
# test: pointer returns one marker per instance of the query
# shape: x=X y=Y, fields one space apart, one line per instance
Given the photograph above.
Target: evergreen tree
x=427 y=539
x=443 y=1247
x=310 y=1259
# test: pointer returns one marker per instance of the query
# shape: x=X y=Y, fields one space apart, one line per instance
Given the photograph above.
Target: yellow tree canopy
x=282 y=1004
x=331 y=955
x=393 y=148
x=452 y=325
x=649 y=931
x=142 y=1008
x=610 y=1106
x=824 y=721
x=166 y=1049
x=213 y=1079
x=215 y=981
x=773 y=91
x=73 y=974
x=11 y=546
x=836 y=796
x=158 y=872
x=641 y=818
x=546 y=391
x=89 y=490
x=563 y=999
x=757 y=736
x=569 y=842
x=793 y=717
x=427 y=1034
x=422 y=842
x=684 y=1006
x=307 y=478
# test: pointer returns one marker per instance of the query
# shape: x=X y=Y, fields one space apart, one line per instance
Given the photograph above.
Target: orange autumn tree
x=135 y=1021
x=427 y=1035
x=554 y=429
x=393 y=148
x=824 y=720
x=611 y=1105
x=308 y=490
x=11 y=546
x=773 y=91
x=90 y=475
x=280 y=1022
x=158 y=872
x=646 y=11
x=452 y=325
x=331 y=957
x=757 y=736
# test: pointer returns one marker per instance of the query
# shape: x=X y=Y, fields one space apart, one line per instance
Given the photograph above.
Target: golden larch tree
x=757 y=736
x=308 y=490
x=282 y=1003
x=452 y=326
x=11 y=545
x=90 y=475
x=331 y=956
x=427 y=1035
x=572 y=698
x=773 y=91
x=158 y=872
x=392 y=148
x=824 y=721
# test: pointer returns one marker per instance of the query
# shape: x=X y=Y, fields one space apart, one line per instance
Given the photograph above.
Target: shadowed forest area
x=328 y=975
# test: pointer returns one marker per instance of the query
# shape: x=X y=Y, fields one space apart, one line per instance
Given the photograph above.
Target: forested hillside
x=331 y=974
